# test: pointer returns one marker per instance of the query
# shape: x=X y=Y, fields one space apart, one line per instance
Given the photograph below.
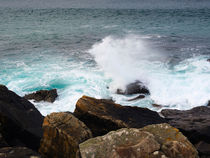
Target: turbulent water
x=95 y=51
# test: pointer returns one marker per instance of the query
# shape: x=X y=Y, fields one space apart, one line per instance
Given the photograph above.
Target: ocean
x=93 y=52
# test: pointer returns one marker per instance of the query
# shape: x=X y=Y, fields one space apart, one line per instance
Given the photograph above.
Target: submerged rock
x=138 y=97
x=18 y=152
x=62 y=134
x=153 y=141
x=20 y=121
x=194 y=123
x=43 y=95
x=134 y=88
x=102 y=116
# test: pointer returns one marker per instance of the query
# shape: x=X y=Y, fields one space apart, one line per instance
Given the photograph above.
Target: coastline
x=104 y=119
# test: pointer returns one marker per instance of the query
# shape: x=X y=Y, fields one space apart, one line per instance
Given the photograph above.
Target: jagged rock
x=102 y=116
x=153 y=141
x=62 y=134
x=43 y=95
x=20 y=121
x=134 y=88
x=194 y=123
x=18 y=152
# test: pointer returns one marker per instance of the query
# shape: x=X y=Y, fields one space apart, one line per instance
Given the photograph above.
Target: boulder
x=18 y=152
x=134 y=88
x=20 y=121
x=194 y=124
x=43 y=95
x=153 y=141
x=102 y=116
x=62 y=134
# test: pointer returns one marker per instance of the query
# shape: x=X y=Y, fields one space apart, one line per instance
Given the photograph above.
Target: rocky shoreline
x=99 y=128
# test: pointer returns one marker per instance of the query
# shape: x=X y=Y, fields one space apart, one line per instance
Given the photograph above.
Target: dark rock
x=43 y=95
x=62 y=134
x=134 y=88
x=208 y=104
x=203 y=148
x=157 y=105
x=18 y=152
x=20 y=121
x=138 y=97
x=153 y=141
x=208 y=60
x=102 y=116
x=194 y=123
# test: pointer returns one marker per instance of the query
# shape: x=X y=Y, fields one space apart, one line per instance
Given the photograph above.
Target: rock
x=62 y=134
x=134 y=88
x=102 y=116
x=157 y=105
x=18 y=152
x=194 y=123
x=138 y=97
x=208 y=104
x=153 y=141
x=20 y=121
x=208 y=60
x=43 y=95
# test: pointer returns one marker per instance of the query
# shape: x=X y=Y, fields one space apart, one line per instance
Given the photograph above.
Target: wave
x=182 y=85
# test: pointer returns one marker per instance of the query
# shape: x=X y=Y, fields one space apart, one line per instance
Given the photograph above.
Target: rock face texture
x=153 y=141
x=20 y=121
x=43 y=95
x=134 y=88
x=194 y=124
x=102 y=116
x=18 y=152
x=62 y=134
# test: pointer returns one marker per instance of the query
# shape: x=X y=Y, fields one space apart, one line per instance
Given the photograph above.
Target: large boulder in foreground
x=43 y=95
x=18 y=152
x=153 y=141
x=195 y=124
x=20 y=121
x=136 y=87
x=102 y=116
x=62 y=134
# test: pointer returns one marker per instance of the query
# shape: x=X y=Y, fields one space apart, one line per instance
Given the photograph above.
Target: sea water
x=95 y=51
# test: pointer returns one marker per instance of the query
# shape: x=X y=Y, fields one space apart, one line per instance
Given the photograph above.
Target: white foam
x=132 y=58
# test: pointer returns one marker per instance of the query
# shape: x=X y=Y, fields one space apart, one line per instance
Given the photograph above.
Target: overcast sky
x=105 y=3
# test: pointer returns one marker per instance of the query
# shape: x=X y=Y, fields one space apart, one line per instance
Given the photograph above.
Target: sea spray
x=182 y=85
x=122 y=59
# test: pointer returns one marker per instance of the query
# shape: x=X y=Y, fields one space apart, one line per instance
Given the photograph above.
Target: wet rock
x=102 y=116
x=18 y=152
x=208 y=60
x=62 y=134
x=194 y=123
x=20 y=121
x=138 y=97
x=43 y=95
x=153 y=141
x=134 y=88
x=157 y=105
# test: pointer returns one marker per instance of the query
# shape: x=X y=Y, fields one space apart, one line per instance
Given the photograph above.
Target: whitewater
x=94 y=52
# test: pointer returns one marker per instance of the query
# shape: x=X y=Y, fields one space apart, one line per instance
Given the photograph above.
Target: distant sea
x=95 y=51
